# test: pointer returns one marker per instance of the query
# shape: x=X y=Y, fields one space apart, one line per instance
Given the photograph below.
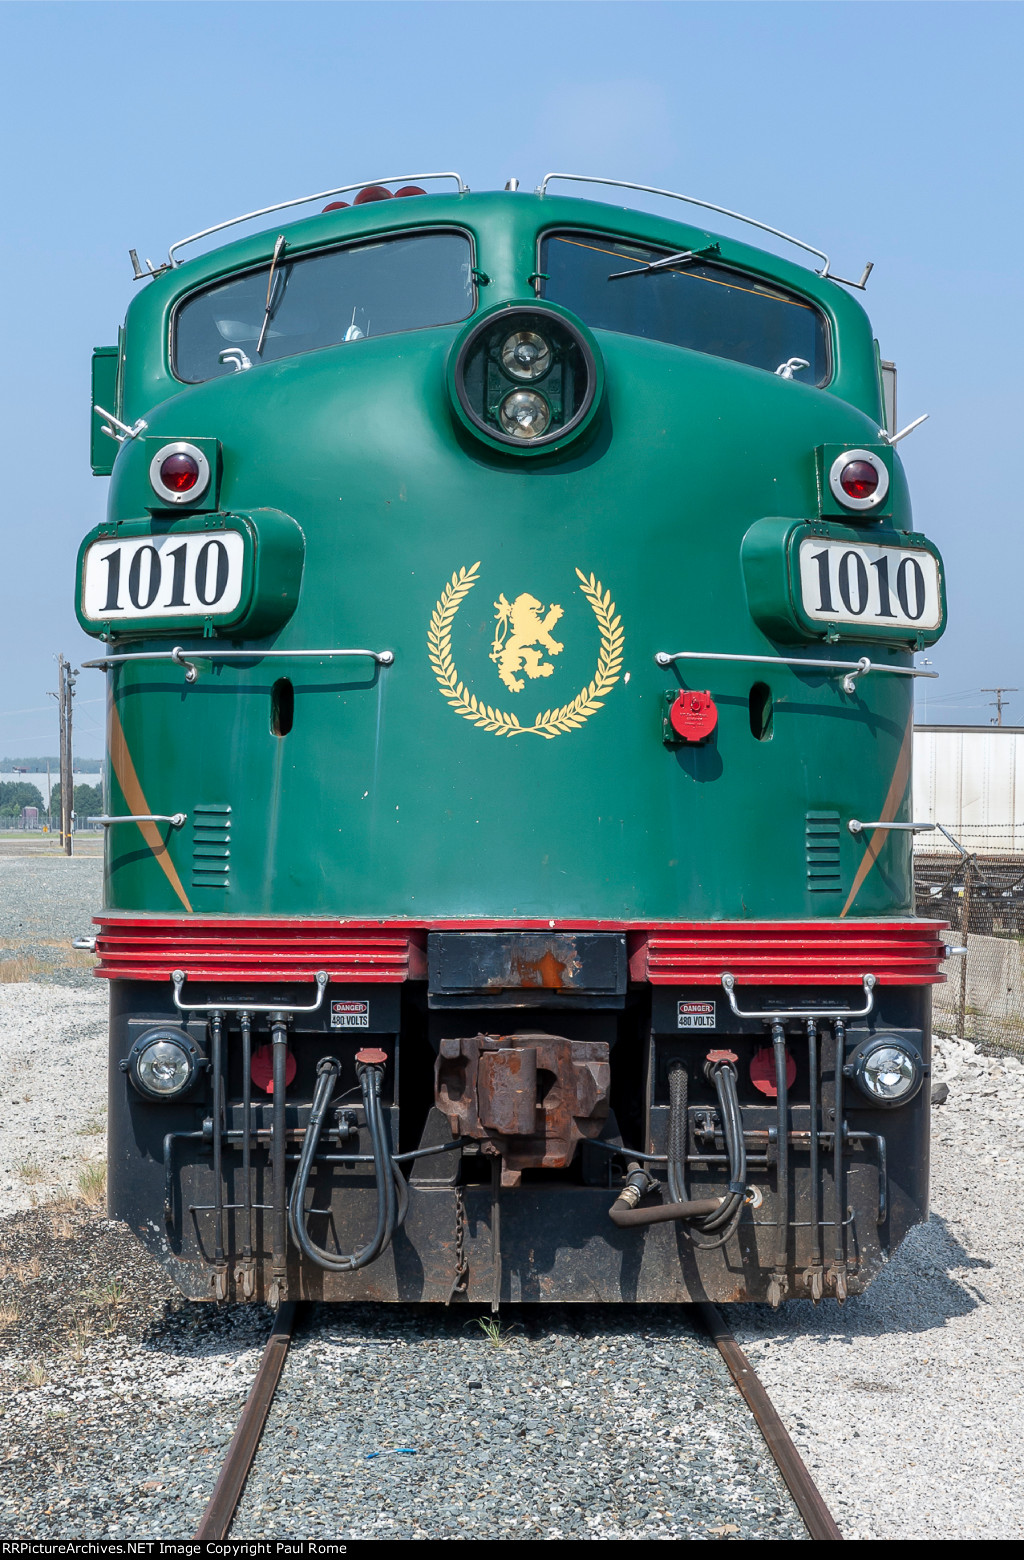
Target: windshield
x=695 y=304
x=369 y=289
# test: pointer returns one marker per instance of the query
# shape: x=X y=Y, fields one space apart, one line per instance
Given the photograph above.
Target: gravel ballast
x=53 y=1042
x=577 y=1423
x=118 y=1397
x=906 y=1404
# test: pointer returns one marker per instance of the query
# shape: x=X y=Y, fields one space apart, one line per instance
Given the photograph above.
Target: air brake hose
x=622 y=1214
x=678 y=1092
x=714 y=1213
x=723 y=1076
x=392 y=1192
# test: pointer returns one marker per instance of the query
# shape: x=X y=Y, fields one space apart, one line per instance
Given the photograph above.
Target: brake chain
x=461 y=1281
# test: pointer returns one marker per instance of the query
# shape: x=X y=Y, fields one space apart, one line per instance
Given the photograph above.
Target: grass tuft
x=21 y=967
x=80 y=1338
x=497 y=1336
x=92 y=1184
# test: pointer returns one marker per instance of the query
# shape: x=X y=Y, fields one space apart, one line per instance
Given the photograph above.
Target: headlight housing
x=527 y=377
x=888 y=1069
x=164 y=1063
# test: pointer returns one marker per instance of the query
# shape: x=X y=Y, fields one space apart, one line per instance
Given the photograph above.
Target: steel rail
x=816 y=1516
x=227 y=1492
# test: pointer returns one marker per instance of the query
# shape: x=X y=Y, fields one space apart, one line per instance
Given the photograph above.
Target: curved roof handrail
x=650 y=189
x=264 y=211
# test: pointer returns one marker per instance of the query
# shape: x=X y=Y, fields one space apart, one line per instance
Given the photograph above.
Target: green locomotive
x=510 y=603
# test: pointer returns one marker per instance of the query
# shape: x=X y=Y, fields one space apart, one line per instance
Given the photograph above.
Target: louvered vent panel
x=211 y=846
x=821 y=831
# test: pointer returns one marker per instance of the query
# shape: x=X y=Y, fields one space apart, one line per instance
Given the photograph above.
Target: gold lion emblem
x=521 y=629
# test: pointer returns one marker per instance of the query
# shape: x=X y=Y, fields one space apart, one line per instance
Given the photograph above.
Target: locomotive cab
x=509 y=605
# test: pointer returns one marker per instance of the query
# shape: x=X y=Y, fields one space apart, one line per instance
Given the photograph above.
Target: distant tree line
x=87 y=800
x=16 y=794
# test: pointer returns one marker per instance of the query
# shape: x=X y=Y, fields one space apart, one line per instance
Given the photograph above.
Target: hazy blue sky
x=889 y=132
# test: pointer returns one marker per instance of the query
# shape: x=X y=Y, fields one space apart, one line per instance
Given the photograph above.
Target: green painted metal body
x=383 y=800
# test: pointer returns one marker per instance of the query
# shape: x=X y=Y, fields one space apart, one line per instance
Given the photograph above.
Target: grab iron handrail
x=302 y=200
x=867 y=981
x=188 y=658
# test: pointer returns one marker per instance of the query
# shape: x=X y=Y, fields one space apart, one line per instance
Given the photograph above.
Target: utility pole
x=998 y=702
x=66 y=679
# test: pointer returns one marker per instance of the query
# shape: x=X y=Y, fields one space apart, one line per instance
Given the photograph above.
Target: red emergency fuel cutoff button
x=694 y=715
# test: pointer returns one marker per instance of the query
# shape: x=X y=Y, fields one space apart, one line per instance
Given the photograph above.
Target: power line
x=998 y=702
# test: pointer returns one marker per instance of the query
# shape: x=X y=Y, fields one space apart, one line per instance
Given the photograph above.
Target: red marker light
x=762 y=1071
x=371 y=192
x=179 y=472
x=336 y=205
x=859 y=479
x=409 y=189
x=262 y=1068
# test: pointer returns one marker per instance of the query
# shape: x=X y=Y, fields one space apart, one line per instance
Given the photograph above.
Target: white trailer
x=971 y=780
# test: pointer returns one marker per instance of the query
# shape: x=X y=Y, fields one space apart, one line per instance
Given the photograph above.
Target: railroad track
x=241 y=1453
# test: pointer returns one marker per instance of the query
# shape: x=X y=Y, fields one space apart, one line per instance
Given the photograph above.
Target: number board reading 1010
x=860 y=583
x=163 y=576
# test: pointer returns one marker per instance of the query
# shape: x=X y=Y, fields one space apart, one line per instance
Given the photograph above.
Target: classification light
x=859 y=479
x=179 y=473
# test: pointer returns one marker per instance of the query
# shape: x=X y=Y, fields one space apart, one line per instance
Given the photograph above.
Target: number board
x=862 y=583
x=168 y=576
x=204 y=574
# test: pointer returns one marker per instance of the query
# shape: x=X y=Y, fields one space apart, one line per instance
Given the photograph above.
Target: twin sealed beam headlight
x=525 y=355
x=164 y=1063
x=527 y=377
x=888 y=1069
x=524 y=414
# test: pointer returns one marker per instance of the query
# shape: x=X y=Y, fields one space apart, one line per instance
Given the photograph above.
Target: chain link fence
x=980 y=892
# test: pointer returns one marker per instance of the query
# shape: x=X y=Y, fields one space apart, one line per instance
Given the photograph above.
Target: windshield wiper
x=660 y=265
x=270 y=283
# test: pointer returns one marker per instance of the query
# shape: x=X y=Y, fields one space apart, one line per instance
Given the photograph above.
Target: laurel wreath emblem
x=549 y=723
